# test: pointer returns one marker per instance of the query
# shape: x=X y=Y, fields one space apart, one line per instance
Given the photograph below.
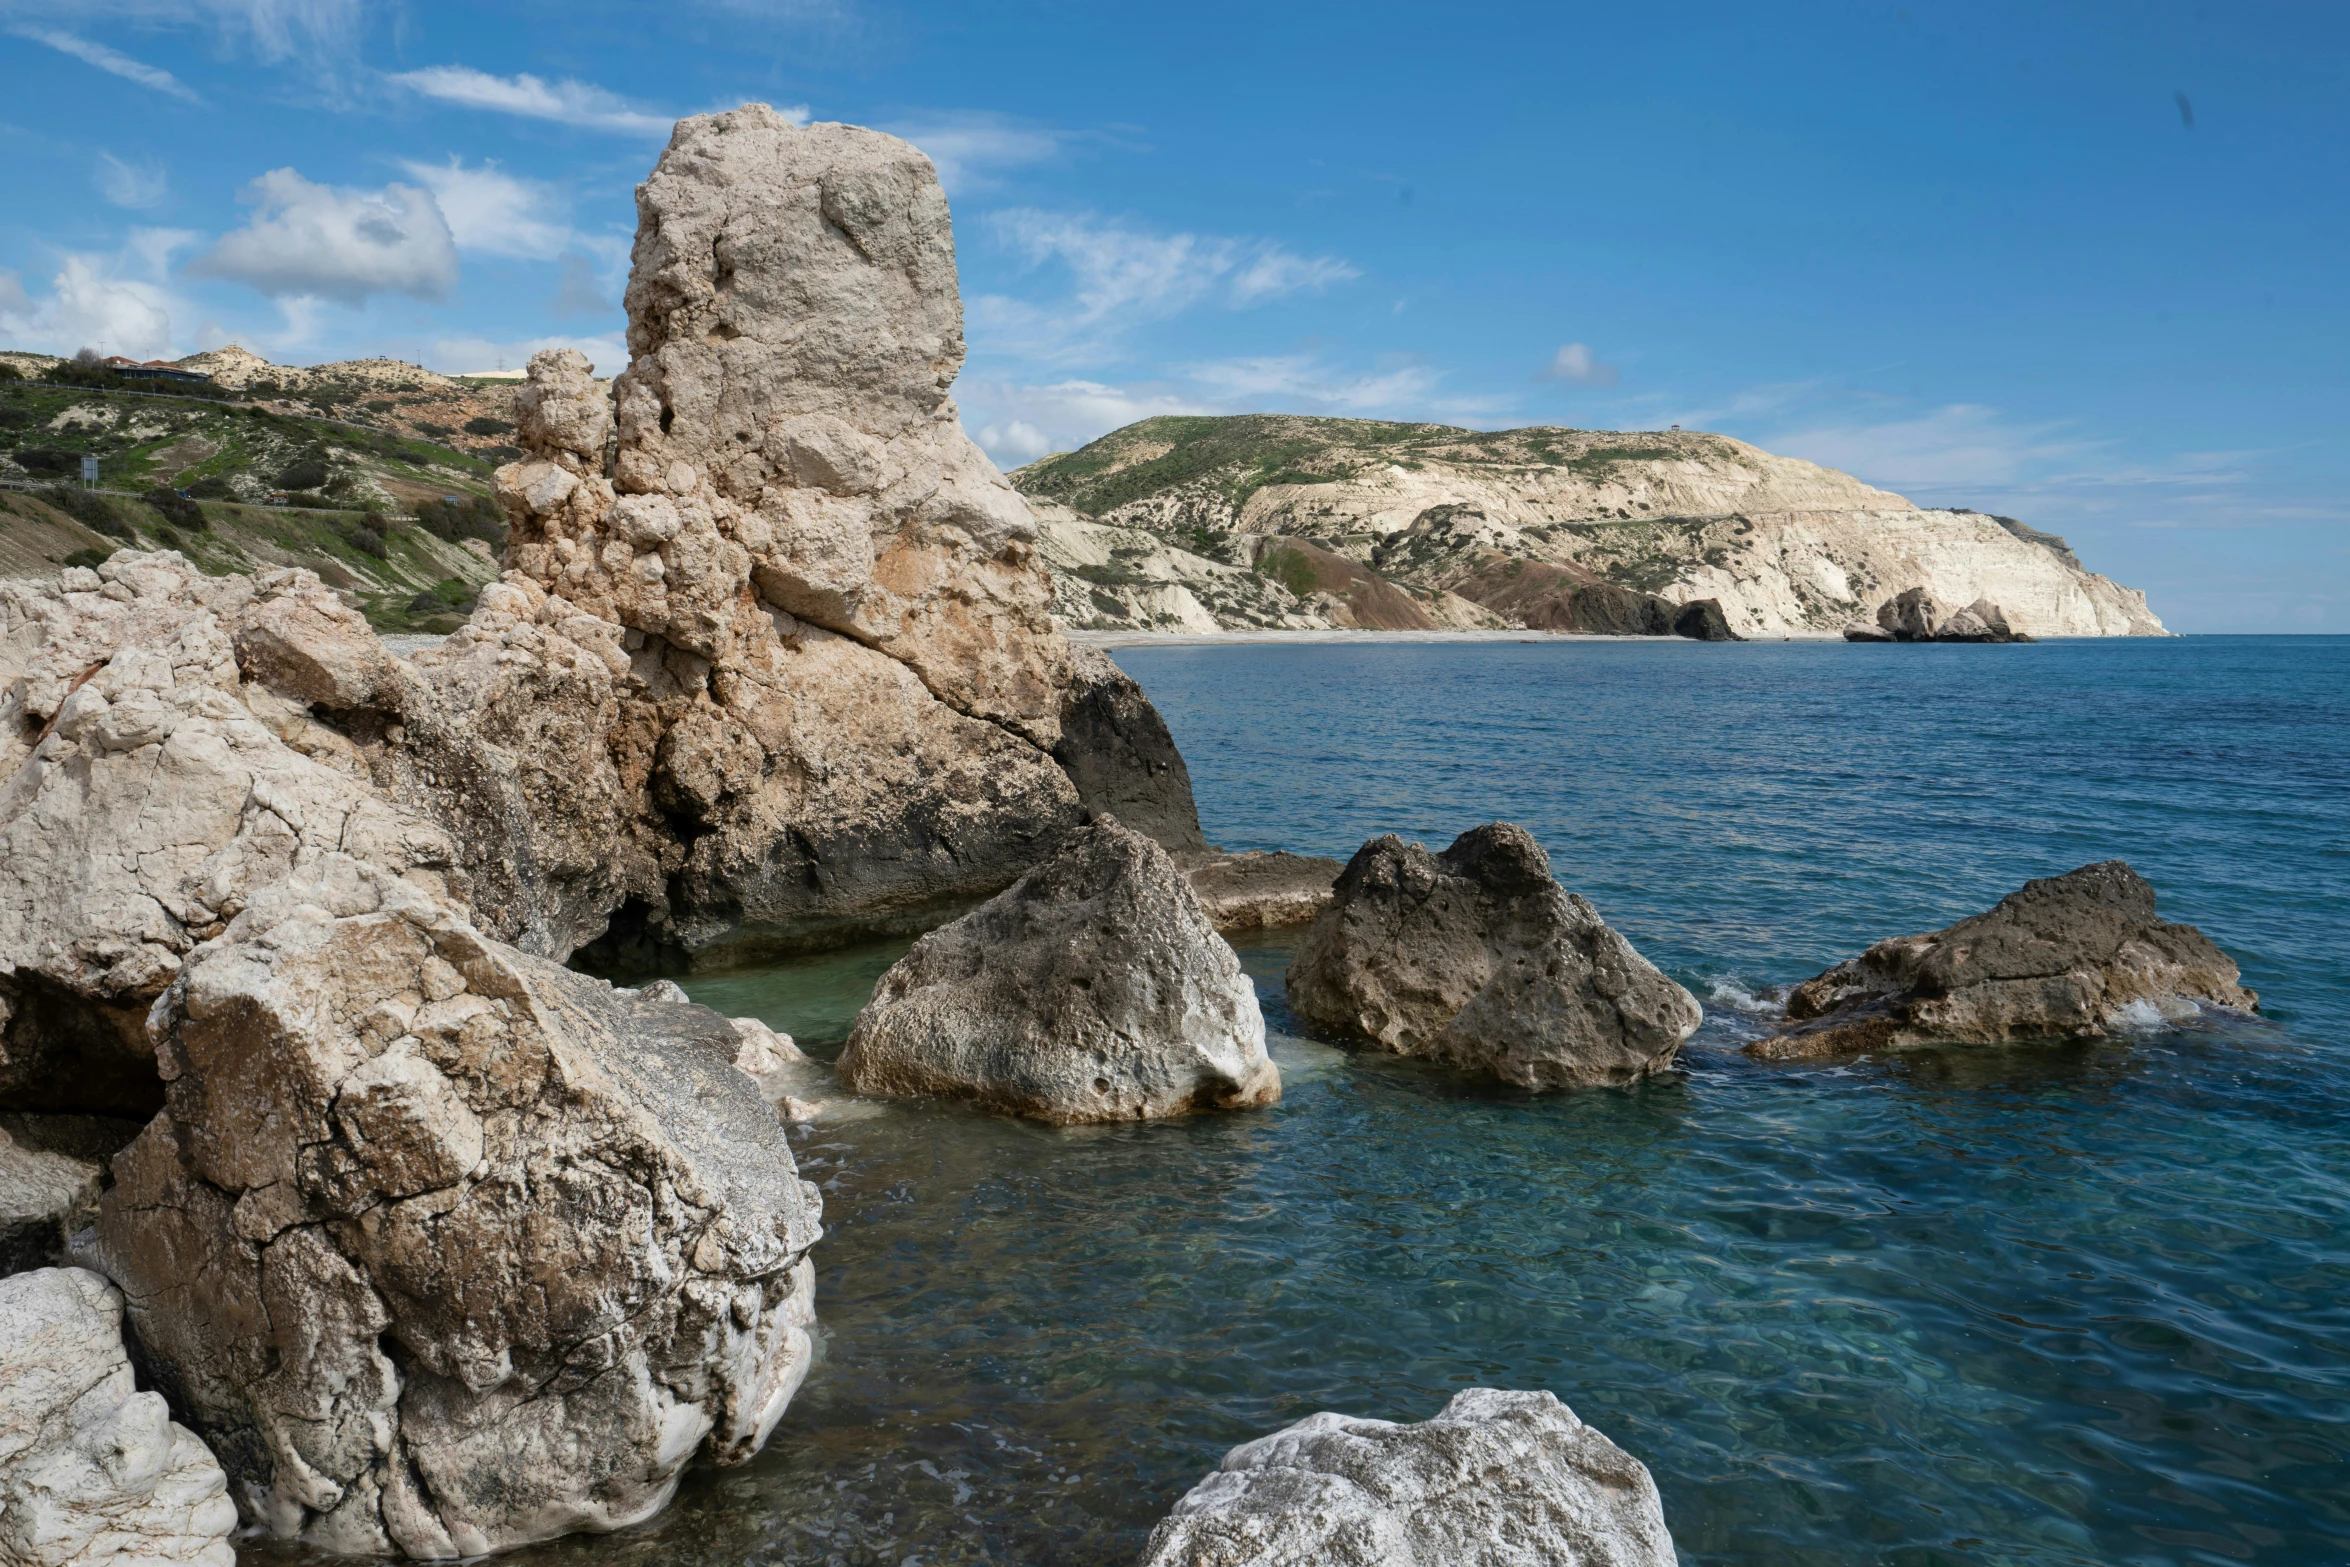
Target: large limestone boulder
x=1477 y=958
x=147 y=790
x=2065 y=957
x=1093 y=989
x=1497 y=1479
x=447 y=1248
x=91 y=1469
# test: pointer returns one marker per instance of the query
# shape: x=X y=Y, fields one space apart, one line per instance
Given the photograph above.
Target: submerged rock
x=1497 y=1479
x=2070 y=956
x=92 y=1470
x=1255 y=889
x=1477 y=958
x=1093 y=989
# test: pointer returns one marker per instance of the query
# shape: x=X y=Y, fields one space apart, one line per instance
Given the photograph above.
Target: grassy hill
x=405 y=526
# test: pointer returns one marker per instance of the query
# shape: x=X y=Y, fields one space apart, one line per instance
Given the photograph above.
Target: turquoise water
x=2063 y=1304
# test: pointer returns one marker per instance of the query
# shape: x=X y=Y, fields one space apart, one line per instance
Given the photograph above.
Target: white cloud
x=110 y=61
x=496 y=213
x=1573 y=362
x=1121 y=276
x=1302 y=384
x=116 y=304
x=970 y=147
x=608 y=352
x=141 y=184
x=1960 y=444
x=1016 y=423
x=565 y=102
x=272 y=29
x=328 y=243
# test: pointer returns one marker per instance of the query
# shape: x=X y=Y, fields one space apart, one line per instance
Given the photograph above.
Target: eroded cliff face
x=1787 y=548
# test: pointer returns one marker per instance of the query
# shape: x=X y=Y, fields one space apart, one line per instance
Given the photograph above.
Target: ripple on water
x=2059 y=1304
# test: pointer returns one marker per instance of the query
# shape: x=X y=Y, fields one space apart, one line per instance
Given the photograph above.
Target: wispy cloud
x=1121 y=276
x=1574 y=362
x=971 y=148
x=134 y=185
x=496 y=213
x=323 y=242
x=564 y=102
x=111 y=61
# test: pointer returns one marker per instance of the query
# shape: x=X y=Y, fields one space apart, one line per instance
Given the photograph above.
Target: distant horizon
x=2079 y=268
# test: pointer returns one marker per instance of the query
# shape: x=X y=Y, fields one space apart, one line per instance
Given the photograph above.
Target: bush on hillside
x=303 y=473
x=90 y=558
x=89 y=508
x=462 y=517
x=211 y=488
x=47 y=459
x=9 y=372
x=177 y=509
x=488 y=426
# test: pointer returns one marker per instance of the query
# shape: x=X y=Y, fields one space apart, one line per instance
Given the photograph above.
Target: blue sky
x=2080 y=264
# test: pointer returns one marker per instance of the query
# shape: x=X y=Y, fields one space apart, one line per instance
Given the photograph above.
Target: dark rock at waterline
x=1092 y=989
x=1116 y=749
x=2070 y=956
x=1476 y=957
x=1702 y=620
x=1496 y=1479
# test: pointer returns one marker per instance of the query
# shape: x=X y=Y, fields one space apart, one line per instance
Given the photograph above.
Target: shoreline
x=1116 y=639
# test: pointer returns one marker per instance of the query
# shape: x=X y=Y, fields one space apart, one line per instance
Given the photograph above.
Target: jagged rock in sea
x=1092 y=989
x=1496 y=1479
x=1477 y=958
x=447 y=1248
x=1116 y=749
x=1915 y=615
x=1156 y=526
x=844 y=694
x=92 y=1470
x=2064 y=957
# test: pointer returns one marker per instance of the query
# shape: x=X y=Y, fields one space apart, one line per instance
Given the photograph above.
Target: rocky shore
x=425 y=1240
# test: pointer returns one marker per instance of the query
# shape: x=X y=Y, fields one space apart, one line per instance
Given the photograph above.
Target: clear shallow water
x=2058 y=1304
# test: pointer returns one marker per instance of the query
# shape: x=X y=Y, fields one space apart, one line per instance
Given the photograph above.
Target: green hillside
x=404 y=526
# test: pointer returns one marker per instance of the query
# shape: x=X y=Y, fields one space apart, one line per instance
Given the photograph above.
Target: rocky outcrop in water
x=1497 y=1479
x=1092 y=989
x=1477 y=958
x=93 y=1471
x=1915 y=615
x=2065 y=957
x=447 y=1248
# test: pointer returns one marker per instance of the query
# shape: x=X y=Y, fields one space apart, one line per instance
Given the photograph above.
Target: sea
x=2054 y=1303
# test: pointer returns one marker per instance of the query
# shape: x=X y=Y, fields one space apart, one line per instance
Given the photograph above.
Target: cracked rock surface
x=1477 y=958
x=448 y=1248
x=1497 y=1479
x=2063 y=957
x=91 y=1469
x=1093 y=989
